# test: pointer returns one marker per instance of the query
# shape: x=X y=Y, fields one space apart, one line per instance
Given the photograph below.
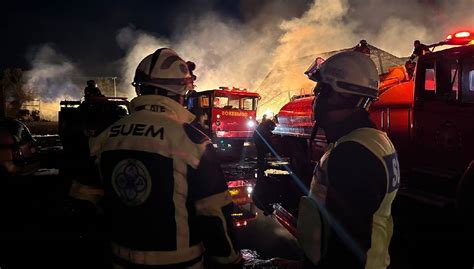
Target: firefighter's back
x=144 y=164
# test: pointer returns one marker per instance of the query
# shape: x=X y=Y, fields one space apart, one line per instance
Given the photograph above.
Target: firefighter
x=345 y=221
x=419 y=50
x=261 y=138
x=191 y=68
x=91 y=90
x=362 y=47
x=165 y=197
x=410 y=68
x=85 y=188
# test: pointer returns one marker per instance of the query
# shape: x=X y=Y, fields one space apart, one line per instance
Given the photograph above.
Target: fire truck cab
x=430 y=121
x=429 y=118
x=226 y=115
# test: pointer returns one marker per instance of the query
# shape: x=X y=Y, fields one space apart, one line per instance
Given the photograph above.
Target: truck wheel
x=465 y=195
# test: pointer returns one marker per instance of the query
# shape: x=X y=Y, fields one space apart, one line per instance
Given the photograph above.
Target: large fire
x=267 y=52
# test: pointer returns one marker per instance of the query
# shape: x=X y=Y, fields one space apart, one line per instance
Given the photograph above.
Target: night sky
x=85 y=31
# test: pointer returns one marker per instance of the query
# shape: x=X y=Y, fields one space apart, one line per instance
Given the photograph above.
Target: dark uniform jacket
x=164 y=192
x=91 y=91
x=422 y=49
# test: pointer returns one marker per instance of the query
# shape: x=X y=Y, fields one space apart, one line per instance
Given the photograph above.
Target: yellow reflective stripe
x=310 y=229
x=157 y=257
x=212 y=206
x=374 y=140
x=382 y=230
x=85 y=192
x=180 y=196
x=209 y=205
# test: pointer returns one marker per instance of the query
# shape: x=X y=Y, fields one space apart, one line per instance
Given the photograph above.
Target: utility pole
x=115 y=86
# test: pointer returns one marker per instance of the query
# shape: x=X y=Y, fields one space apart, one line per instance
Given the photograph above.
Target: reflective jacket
x=164 y=192
x=346 y=221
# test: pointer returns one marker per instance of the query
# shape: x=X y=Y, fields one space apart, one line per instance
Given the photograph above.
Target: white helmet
x=166 y=70
x=347 y=72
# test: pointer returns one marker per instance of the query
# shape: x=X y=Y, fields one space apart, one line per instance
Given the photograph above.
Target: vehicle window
x=468 y=84
x=430 y=81
x=471 y=80
x=248 y=103
x=234 y=103
x=220 y=101
x=455 y=80
x=204 y=101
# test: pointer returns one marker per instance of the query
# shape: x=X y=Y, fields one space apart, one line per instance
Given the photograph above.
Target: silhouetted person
x=191 y=68
x=362 y=47
x=263 y=133
x=410 y=67
x=419 y=50
x=91 y=90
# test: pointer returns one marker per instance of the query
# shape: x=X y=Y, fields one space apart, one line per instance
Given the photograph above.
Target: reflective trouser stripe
x=85 y=192
x=157 y=257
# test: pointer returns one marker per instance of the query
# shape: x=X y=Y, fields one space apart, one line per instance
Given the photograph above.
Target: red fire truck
x=430 y=119
x=227 y=115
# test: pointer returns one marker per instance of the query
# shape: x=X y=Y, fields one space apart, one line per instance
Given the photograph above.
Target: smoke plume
x=138 y=44
x=226 y=54
x=51 y=80
x=267 y=37
x=241 y=53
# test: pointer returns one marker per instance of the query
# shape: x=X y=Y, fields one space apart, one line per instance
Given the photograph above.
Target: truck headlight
x=249 y=189
x=250 y=123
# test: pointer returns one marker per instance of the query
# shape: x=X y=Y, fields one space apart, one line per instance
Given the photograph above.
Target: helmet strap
x=364 y=103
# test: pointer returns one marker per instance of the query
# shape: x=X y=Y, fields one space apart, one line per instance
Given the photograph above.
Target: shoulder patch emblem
x=393 y=169
x=195 y=134
x=131 y=181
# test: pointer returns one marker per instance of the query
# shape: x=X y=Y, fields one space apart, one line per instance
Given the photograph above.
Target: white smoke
x=270 y=35
x=227 y=53
x=241 y=53
x=138 y=44
x=51 y=80
x=330 y=25
x=393 y=36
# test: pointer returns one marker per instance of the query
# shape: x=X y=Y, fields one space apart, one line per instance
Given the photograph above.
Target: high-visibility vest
x=313 y=227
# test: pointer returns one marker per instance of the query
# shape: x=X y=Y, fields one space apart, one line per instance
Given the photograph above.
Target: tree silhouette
x=14 y=90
